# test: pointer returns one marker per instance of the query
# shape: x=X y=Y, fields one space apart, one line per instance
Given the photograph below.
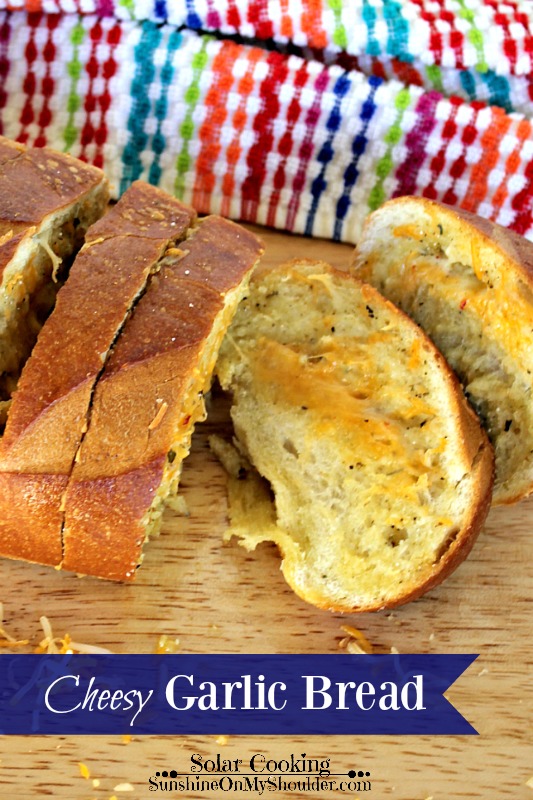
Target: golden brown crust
x=49 y=409
x=36 y=183
x=149 y=213
x=29 y=512
x=141 y=400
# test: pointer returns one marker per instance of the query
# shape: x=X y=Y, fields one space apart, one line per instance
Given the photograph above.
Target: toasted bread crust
x=49 y=410
x=35 y=184
x=147 y=397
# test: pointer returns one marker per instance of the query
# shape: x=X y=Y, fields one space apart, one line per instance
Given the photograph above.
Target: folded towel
x=296 y=142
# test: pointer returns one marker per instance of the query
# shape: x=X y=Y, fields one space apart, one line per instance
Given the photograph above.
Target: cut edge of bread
x=469 y=284
x=30 y=277
x=261 y=520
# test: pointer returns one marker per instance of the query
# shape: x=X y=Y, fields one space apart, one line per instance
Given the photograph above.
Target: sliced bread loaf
x=469 y=284
x=380 y=470
x=49 y=410
x=149 y=398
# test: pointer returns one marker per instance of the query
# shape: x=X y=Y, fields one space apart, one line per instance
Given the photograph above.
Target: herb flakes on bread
x=469 y=284
x=381 y=472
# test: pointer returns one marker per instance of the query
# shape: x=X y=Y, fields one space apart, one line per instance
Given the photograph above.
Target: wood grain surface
x=217 y=598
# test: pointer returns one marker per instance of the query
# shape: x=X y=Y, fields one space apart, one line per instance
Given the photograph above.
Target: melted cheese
x=343 y=399
x=500 y=306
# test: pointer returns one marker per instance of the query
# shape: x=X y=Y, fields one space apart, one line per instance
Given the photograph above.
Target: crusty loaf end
x=47 y=202
x=469 y=284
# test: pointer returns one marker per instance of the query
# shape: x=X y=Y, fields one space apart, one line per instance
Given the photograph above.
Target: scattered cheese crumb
x=167 y=645
x=5 y=639
x=163 y=408
x=395 y=651
x=355 y=642
x=484 y=671
x=222 y=740
x=96 y=783
x=84 y=770
x=123 y=787
x=127 y=738
x=431 y=637
x=58 y=645
x=530 y=782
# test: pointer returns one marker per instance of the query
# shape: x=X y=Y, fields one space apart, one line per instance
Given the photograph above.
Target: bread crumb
x=431 y=637
x=530 y=782
x=84 y=770
x=123 y=787
x=222 y=740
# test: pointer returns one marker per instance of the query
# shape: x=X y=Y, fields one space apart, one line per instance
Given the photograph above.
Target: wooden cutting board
x=217 y=598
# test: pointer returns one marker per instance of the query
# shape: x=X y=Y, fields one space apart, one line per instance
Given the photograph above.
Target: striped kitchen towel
x=341 y=107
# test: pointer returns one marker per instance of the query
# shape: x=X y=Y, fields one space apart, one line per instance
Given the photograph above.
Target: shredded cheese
x=84 y=770
x=158 y=417
x=56 y=260
x=6 y=640
x=167 y=645
x=50 y=644
x=355 y=642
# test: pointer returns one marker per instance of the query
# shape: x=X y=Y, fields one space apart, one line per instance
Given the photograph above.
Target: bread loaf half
x=149 y=398
x=469 y=284
x=380 y=470
x=49 y=412
x=47 y=202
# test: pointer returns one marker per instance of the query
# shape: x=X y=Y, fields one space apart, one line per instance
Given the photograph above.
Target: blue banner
x=230 y=694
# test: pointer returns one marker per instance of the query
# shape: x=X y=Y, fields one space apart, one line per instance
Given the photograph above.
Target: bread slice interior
x=464 y=282
x=380 y=472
